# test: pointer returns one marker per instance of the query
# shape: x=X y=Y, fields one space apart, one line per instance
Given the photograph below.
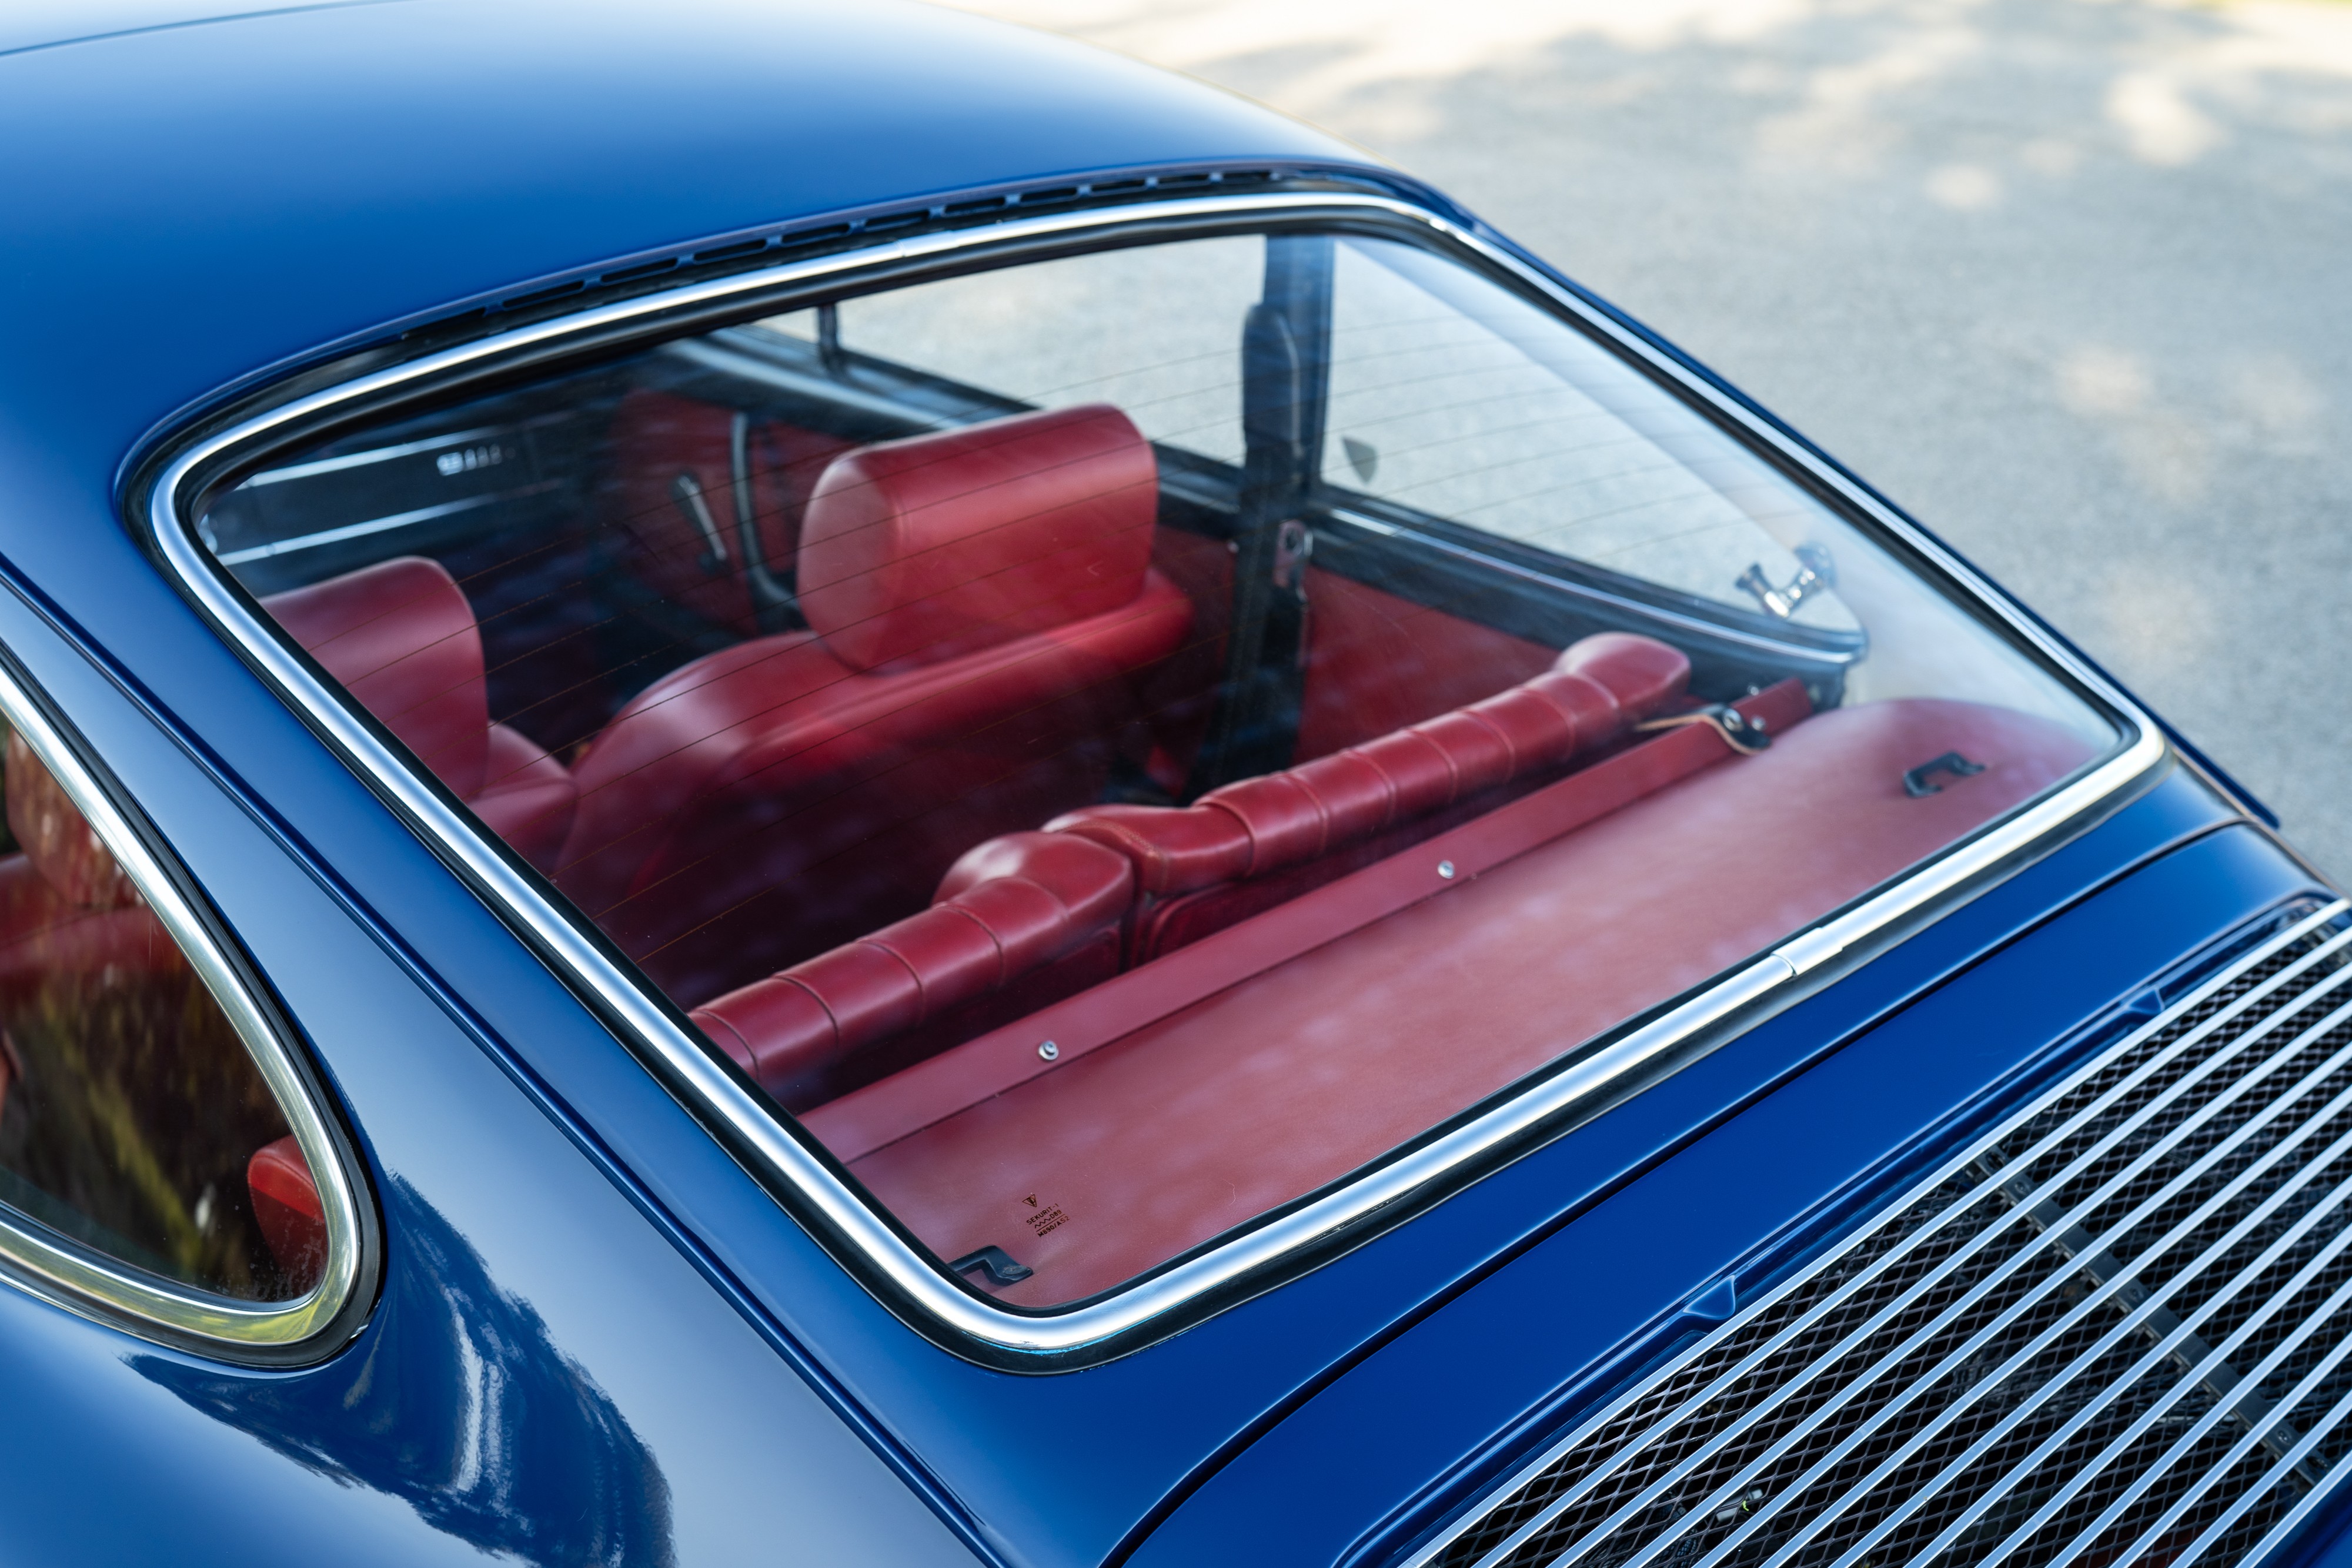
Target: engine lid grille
x=2115 y=1329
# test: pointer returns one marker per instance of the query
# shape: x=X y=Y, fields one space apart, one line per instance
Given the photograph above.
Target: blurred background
x=2069 y=279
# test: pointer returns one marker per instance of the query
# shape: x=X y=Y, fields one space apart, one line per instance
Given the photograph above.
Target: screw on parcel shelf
x=1445 y=869
x=1050 y=1051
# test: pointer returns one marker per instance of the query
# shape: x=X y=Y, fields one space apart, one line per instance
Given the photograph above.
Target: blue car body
x=595 y=1338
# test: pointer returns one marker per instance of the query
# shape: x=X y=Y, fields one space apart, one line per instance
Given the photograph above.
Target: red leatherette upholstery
x=920 y=549
x=861 y=1122
x=655 y=437
x=66 y=906
x=401 y=638
x=286 y=1203
x=1376 y=663
x=1017 y=904
x=1590 y=698
x=527 y=797
x=1198 y=1111
x=789 y=795
x=1007 y=910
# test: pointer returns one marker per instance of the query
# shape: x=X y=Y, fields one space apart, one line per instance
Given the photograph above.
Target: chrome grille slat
x=2294 y=1516
x=2252 y=1269
x=1958 y=1355
x=2048 y=1241
x=2082 y=1117
x=2327 y=1364
x=2092 y=1325
x=2181 y=1389
x=2257 y=1434
x=2114 y=1285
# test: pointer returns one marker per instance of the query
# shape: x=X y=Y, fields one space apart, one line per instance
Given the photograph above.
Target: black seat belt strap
x=773 y=604
x=1253 y=727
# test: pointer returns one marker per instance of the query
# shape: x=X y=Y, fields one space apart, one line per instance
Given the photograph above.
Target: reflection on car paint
x=457 y=1402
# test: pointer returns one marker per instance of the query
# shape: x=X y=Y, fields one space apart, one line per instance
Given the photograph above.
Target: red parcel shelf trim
x=882 y=1114
x=1270 y=1090
x=1030 y=899
x=1007 y=909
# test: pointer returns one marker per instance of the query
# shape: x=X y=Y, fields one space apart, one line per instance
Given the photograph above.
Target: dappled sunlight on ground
x=1323 y=50
x=2065 y=276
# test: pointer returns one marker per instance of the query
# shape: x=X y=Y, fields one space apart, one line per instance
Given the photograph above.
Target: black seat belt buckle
x=1294 y=544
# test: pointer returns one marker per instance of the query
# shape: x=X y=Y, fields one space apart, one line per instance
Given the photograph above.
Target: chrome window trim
x=80 y=1279
x=1716 y=630
x=1054 y=1337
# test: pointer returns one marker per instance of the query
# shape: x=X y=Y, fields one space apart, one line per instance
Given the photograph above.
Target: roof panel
x=202 y=201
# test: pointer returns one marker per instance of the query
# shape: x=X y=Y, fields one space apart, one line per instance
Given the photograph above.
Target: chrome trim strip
x=913 y=1273
x=1926 y=1233
x=2051 y=1232
x=1952 y=1167
x=2140 y=1314
x=1711 y=629
x=382 y=525
x=73 y=1277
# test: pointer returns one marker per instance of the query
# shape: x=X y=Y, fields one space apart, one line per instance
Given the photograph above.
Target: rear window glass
x=1116 y=744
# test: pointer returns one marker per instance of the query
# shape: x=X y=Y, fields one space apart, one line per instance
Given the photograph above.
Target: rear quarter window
x=156 y=1161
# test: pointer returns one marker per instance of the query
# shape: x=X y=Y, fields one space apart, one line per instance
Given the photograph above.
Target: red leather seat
x=66 y=906
x=980 y=603
x=1188 y=859
x=286 y=1205
x=401 y=638
x=1026 y=920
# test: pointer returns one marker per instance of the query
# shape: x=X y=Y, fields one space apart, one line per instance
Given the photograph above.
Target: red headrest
x=937 y=545
x=58 y=839
x=401 y=637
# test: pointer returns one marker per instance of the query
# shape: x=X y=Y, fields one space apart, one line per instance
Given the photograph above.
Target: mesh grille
x=2116 y=1329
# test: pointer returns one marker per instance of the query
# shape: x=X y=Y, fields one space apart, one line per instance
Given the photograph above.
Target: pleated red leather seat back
x=980 y=603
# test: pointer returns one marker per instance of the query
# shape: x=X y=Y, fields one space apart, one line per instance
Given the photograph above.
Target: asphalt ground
x=2069 y=280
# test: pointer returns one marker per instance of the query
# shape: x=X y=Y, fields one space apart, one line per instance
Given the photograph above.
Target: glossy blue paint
x=257 y=187
x=1121 y=1442
x=598 y=1338
x=545 y=1373
x=2325 y=1542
